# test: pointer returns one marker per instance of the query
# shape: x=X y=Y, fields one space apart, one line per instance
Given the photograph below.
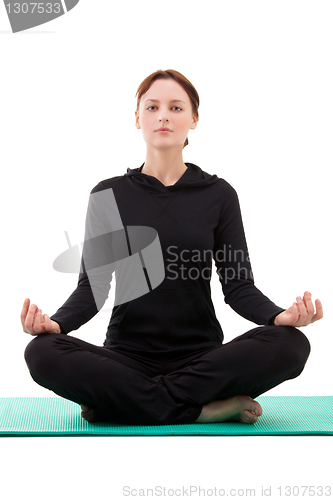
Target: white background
x=264 y=76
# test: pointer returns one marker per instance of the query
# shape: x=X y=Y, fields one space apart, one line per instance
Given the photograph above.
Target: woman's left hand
x=301 y=313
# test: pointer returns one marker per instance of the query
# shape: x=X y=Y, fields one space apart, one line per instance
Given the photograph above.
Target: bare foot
x=88 y=414
x=237 y=409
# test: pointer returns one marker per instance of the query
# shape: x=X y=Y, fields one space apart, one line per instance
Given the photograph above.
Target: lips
x=163 y=129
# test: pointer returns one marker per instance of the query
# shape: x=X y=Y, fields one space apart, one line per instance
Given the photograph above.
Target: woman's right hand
x=34 y=323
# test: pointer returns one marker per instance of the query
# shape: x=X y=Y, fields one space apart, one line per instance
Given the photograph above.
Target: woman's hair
x=181 y=79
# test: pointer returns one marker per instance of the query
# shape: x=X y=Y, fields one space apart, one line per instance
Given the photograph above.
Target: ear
x=194 y=122
x=137 y=123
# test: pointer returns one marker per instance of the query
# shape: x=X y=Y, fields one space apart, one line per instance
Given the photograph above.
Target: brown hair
x=181 y=79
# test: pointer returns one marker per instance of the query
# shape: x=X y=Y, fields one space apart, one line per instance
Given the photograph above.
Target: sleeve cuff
x=271 y=320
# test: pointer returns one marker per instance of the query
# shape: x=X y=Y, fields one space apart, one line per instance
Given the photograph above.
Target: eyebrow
x=173 y=100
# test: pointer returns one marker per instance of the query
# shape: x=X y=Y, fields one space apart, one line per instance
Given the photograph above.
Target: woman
x=163 y=360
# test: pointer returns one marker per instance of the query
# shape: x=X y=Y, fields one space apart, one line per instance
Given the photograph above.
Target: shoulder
x=107 y=184
x=219 y=183
x=225 y=190
x=224 y=185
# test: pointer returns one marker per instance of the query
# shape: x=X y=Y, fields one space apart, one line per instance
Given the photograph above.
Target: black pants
x=153 y=389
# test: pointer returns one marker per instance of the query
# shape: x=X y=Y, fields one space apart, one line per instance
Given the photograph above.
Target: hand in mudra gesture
x=34 y=323
x=301 y=313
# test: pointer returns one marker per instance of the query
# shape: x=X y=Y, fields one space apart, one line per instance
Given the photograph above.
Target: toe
x=87 y=413
x=248 y=417
x=86 y=416
x=256 y=408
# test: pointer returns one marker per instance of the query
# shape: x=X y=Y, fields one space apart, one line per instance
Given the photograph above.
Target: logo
x=24 y=15
x=134 y=253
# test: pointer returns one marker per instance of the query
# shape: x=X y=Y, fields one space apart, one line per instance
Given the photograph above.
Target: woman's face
x=165 y=104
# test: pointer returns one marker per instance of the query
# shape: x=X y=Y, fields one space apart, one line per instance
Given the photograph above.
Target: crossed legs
x=213 y=384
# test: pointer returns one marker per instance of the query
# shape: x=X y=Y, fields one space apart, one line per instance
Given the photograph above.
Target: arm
x=235 y=275
x=95 y=275
x=78 y=309
x=233 y=265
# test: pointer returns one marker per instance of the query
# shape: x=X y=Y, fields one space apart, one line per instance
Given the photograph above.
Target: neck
x=167 y=165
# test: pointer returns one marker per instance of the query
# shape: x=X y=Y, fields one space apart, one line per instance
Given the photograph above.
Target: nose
x=163 y=116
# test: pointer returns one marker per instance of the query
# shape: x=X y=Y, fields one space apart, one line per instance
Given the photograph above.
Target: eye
x=177 y=107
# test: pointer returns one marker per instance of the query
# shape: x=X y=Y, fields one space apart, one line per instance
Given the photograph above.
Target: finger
x=48 y=323
x=304 y=317
x=24 y=312
x=295 y=313
x=37 y=326
x=309 y=304
x=319 y=311
x=30 y=317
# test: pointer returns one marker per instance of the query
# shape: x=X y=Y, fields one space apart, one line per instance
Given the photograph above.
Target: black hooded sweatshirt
x=197 y=219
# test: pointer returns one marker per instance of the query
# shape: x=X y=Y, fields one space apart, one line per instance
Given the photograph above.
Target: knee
x=296 y=348
x=36 y=353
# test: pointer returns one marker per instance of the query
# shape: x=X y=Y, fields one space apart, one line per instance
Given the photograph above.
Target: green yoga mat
x=55 y=416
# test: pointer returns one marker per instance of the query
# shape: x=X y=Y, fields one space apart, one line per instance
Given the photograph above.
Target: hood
x=192 y=177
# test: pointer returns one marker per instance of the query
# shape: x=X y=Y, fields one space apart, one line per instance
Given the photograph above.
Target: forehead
x=165 y=90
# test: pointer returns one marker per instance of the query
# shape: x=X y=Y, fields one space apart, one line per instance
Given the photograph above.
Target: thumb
x=48 y=323
x=294 y=313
